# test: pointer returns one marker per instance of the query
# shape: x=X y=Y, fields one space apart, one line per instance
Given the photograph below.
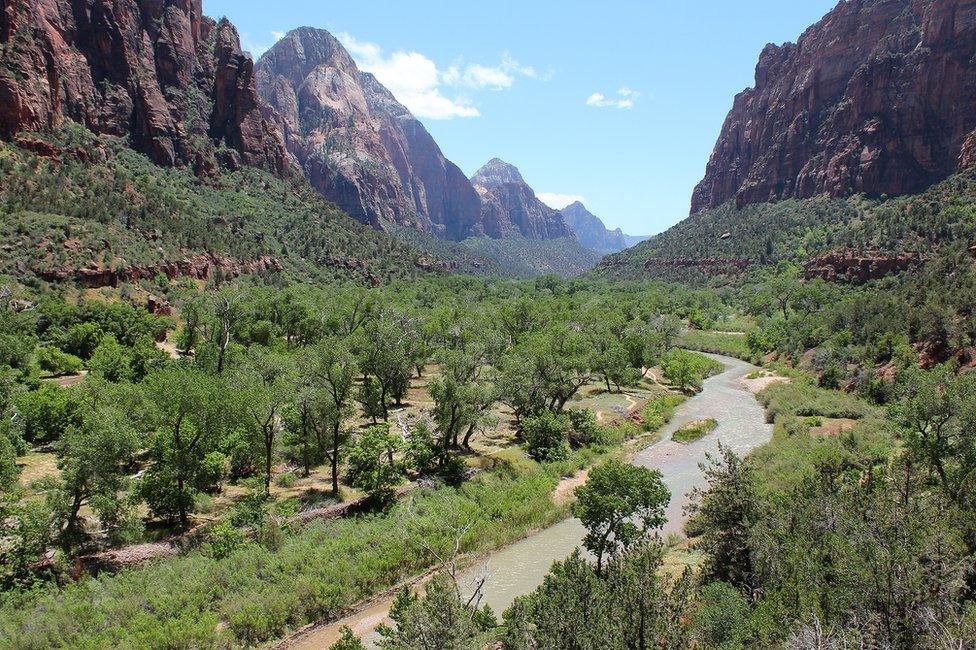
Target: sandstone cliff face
x=511 y=208
x=357 y=145
x=592 y=232
x=157 y=71
x=879 y=97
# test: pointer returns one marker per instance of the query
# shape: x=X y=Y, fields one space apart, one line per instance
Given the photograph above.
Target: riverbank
x=519 y=568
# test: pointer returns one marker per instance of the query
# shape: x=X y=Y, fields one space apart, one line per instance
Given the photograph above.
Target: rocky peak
x=154 y=71
x=878 y=97
x=593 y=234
x=511 y=208
x=358 y=145
x=497 y=172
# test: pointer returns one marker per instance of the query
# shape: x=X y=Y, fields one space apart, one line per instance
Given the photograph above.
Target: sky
x=617 y=104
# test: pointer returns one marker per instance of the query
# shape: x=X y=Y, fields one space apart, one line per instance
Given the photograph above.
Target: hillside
x=94 y=210
x=875 y=236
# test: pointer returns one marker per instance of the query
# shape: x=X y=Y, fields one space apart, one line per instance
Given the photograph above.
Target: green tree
x=111 y=361
x=372 y=464
x=93 y=457
x=546 y=436
x=333 y=382
x=721 y=516
x=619 y=505
x=347 y=641
x=191 y=414
x=266 y=383
x=439 y=620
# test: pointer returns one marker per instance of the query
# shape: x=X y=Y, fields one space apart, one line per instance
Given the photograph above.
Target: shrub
x=546 y=436
x=56 y=362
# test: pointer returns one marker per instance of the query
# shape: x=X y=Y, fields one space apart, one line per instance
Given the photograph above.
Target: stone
x=879 y=98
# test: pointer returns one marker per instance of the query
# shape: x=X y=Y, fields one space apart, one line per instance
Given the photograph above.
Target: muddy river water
x=521 y=567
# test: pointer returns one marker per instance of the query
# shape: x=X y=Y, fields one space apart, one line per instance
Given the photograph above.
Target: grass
x=659 y=411
x=731 y=345
x=695 y=431
x=794 y=454
x=804 y=399
x=256 y=593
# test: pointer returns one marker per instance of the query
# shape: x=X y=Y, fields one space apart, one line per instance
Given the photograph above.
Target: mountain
x=358 y=145
x=593 y=234
x=511 y=208
x=878 y=98
x=160 y=73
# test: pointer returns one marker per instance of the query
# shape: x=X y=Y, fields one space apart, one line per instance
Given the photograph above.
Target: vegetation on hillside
x=797 y=230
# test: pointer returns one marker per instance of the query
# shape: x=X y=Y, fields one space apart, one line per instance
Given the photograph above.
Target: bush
x=56 y=362
x=546 y=436
x=659 y=411
x=721 y=617
x=223 y=540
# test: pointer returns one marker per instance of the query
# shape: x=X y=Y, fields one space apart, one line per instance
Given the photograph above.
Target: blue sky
x=619 y=102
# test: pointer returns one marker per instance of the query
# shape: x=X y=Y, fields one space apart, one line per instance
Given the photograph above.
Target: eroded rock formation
x=358 y=145
x=879 y=97
x=510 y=207
x=157 y=71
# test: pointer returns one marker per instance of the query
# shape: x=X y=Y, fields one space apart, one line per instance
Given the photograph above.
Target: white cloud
x=258 y=48
x=559 y=201
x=624 y=100
x=417 y=82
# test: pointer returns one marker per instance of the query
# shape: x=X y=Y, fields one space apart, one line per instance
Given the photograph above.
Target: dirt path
x=564 y=491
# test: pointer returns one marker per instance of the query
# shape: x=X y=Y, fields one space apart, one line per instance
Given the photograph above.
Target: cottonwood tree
x=266 y=384
x=191 y=412
x=619 y=505
x=462 y=396
x=333 y=375
x=373 y=466
x=92 y=458
x=383 y=350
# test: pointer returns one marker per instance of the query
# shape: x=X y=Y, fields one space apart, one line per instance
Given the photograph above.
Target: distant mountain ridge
x=593 y=233
x=365 y=151
x=511 y=208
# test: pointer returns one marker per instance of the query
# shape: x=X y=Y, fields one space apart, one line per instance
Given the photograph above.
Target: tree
x=191 y=414
x=226 y=310
x=545 y=436
x=783 y=286
x=439 y=620
x=384 y=354
x=936 y=413
x=347 y=641
x=721 y=516
x=619 y=505
x=266 y=383
x=333 y=376
x=462 y=398
x=372 y=466
x=111 y=361
x=93 y=457
x=681 y=371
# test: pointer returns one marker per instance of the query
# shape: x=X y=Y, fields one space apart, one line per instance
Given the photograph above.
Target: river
x=521 y=567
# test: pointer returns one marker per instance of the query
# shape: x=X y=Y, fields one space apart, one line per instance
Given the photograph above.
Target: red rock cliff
x=157 y=71
x=879 y=97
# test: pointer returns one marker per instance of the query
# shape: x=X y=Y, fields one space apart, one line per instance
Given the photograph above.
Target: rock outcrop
x=156 y=71
x=848 y=266
x=879 y=97
x=358 y=145
x=198 y=267
x=511 y=208
x=593 y=234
